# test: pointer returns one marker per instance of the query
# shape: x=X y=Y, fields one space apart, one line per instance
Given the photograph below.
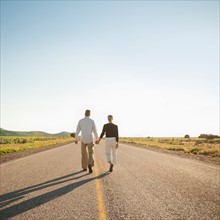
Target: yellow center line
x=99 y=192
x=101 y=165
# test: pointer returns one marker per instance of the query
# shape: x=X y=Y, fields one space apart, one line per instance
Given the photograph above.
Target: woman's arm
x=102 y=134
x=117 y=134
x=117 y=138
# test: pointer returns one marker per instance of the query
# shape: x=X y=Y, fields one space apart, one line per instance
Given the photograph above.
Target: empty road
x=144 y=185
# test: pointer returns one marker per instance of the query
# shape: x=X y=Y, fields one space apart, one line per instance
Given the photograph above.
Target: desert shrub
x=194 y=150
x=215 y=141
x=175 y=149
x=208 y=136
x=200 y=142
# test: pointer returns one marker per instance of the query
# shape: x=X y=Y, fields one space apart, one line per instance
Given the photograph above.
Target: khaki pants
x=87 y=155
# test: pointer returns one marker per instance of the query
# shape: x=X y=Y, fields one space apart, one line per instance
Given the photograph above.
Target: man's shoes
x=90 y=168
x=111 y=168
x=84 y=169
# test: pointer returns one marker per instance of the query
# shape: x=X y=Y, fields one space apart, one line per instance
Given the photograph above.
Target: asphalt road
x=144 y=185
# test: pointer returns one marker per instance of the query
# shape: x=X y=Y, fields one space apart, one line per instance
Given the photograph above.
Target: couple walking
x=87 y=127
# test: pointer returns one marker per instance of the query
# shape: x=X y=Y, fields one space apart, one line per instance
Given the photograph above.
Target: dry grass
x=188 y=145
x=11 y=144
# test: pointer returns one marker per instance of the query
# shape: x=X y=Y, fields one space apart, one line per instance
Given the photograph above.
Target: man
x=87 y=127
x=111 y=144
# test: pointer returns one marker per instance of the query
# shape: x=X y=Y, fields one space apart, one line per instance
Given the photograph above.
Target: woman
x=111 y=144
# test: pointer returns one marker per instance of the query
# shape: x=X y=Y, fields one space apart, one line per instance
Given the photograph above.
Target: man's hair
x=110 y=116
x=87 y=112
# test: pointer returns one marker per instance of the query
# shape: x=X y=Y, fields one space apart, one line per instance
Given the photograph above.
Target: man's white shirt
x=87 y=127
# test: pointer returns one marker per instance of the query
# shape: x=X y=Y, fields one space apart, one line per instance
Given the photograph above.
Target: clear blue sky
x=154 y=65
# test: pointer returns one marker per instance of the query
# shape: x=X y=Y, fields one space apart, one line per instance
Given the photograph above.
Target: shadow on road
x=18 y=194
x=41 y=199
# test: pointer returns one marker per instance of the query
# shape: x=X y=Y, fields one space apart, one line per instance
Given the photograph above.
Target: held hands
x=97 y=142
x=76 y=142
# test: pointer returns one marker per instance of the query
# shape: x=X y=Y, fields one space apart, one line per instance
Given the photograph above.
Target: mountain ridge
x=4 y=132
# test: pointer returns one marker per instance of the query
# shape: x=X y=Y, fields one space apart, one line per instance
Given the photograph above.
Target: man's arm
x=78 y=129
x=95 y=131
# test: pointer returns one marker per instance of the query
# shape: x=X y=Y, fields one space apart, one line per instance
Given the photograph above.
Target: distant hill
x=4 y=132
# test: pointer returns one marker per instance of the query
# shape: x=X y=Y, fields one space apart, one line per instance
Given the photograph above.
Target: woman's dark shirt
x=110 y=130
